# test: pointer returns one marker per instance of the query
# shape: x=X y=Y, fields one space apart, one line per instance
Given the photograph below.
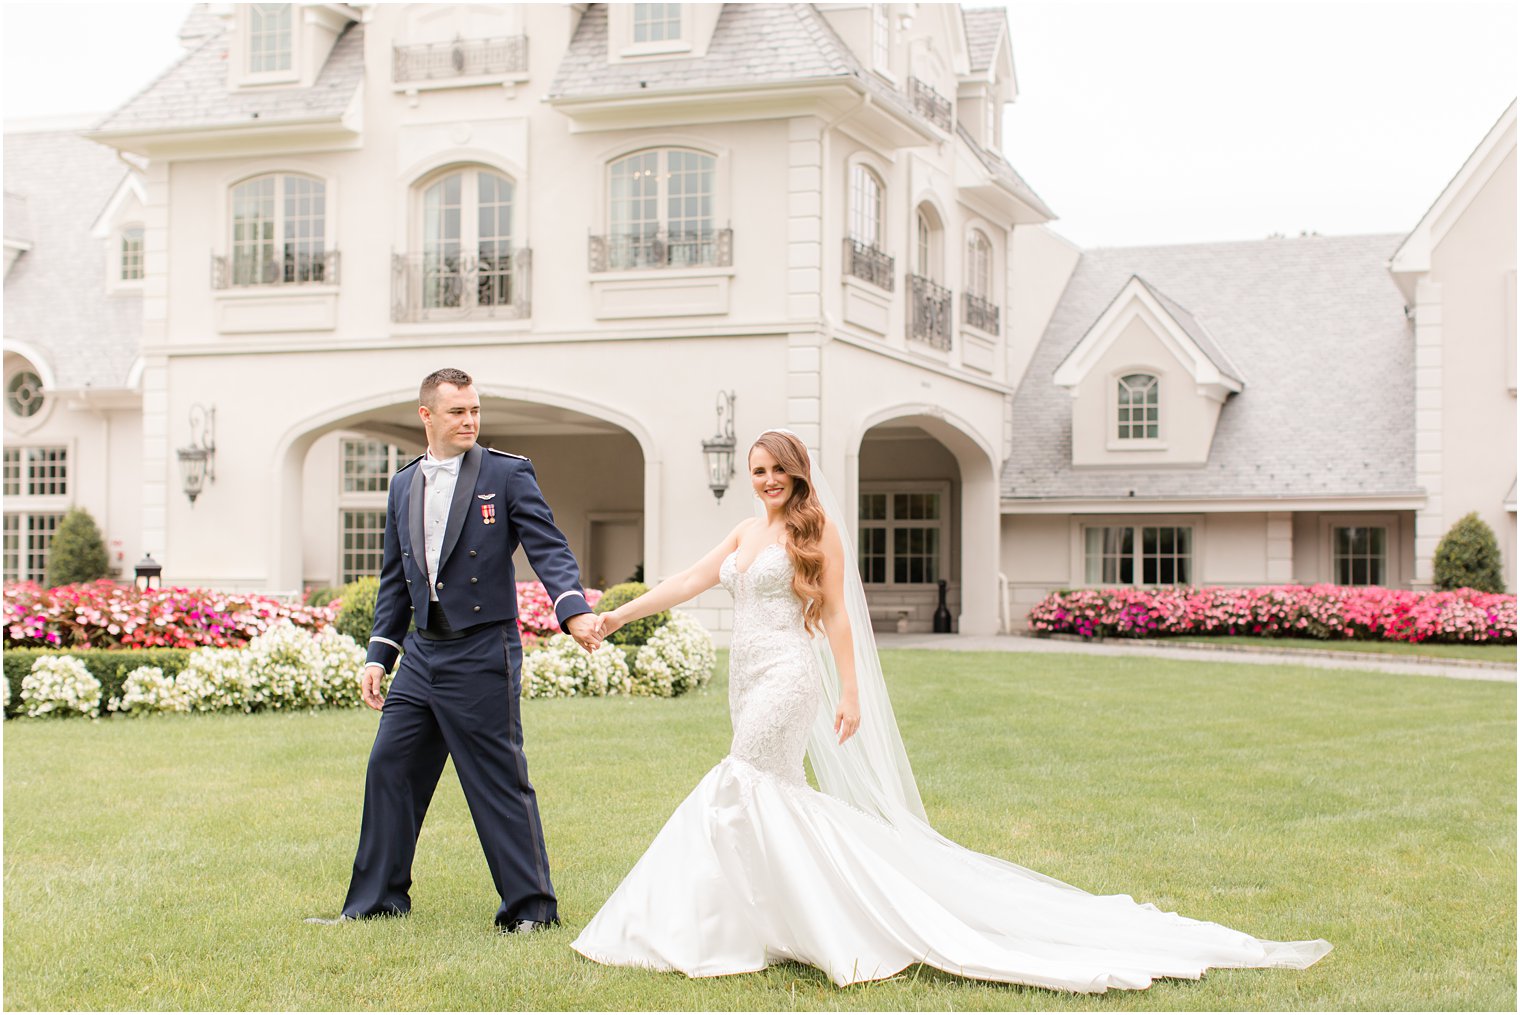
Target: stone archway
x=332 y=476
x=927 y=491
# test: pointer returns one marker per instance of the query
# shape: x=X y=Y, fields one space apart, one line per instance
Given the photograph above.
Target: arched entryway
x=927 y=511
x=590 y=468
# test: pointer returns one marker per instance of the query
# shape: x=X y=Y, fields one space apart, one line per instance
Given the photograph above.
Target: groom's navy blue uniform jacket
x=496 y=506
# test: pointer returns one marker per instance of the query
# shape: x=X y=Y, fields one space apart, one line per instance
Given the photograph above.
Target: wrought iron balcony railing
x=237 y=271
x=869 y=264
x=462 y=58
x=692 y=249
x=930 y=103
x=460 y=287
x=930 y=315
x=980 y=314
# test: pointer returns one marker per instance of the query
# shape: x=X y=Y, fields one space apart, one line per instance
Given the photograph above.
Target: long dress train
x=755 y=866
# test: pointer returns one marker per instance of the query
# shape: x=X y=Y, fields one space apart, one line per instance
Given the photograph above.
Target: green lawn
x=1424 y=650
x=167 y=862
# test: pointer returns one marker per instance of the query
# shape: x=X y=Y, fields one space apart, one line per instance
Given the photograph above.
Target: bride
x=756 y=867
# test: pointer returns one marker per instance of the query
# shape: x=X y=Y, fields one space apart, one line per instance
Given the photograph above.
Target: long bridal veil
x=1011 y=905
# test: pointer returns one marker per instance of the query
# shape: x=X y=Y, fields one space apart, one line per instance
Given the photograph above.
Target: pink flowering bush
x=105 y=615
x=1315 y=611
x=535 y=611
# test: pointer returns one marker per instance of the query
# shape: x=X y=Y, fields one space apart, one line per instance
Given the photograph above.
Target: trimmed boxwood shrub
x=109 y=666
x=1468 y=557
x=324 y=595
x=356 y=617
x=638 y=632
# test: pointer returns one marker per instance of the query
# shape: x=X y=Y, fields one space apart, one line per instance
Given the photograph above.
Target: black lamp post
x=719 y=450
x=149 y=574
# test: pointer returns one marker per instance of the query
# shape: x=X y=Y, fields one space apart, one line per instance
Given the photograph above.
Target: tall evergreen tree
x=78 y=553
x=1468 y=557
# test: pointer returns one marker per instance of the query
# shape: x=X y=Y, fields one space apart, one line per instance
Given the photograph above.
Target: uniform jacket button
x=477 y=609
x=440 y=584
x=474 y=580
x=472 y=553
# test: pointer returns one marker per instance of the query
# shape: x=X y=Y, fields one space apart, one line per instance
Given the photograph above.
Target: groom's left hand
x=585 y=629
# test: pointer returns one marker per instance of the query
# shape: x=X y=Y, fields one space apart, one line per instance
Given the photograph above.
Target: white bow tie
x=431 y=467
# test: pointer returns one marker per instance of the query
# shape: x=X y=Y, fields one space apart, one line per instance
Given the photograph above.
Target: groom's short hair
x=448 y=375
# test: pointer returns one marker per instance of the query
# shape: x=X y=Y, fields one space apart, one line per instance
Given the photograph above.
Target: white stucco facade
x=872 y=275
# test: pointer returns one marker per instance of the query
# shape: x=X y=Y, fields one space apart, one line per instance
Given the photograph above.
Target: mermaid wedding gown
x=755 y=866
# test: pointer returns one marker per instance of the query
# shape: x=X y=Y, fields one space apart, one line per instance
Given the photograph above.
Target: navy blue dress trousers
x=457 y=689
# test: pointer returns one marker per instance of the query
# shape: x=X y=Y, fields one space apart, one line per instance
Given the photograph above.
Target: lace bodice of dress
x=773 y=683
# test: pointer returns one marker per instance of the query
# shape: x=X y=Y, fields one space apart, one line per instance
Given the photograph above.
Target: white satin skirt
x=752 y=869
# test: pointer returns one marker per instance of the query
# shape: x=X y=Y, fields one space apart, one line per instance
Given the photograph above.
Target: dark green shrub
x=78 y=553
x=356 y=617
x=323 y=596
x=1468 y=557
x=109 y=666
x=638 y=632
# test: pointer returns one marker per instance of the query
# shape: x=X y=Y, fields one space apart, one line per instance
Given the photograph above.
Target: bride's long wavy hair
x=804 y=518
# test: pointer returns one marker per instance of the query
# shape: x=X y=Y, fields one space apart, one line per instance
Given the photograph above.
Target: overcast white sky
x=1137 y=121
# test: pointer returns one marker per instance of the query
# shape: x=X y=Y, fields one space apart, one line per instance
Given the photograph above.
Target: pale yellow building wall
x=1474 y=264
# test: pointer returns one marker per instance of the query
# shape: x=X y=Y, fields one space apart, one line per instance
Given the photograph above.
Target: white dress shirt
x=440 y=475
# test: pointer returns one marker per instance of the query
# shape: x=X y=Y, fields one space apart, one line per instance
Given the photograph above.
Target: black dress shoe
x=522 y=927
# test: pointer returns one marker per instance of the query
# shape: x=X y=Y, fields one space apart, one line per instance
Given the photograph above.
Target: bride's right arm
x=678 y=588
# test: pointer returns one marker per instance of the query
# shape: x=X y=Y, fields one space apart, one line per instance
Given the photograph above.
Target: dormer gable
x=1414 y=255
x=274 y=45
x=121 y=229
x=642 y=31
x=1147 y=382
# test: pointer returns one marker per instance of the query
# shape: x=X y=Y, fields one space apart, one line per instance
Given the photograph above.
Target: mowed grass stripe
x=167 y=862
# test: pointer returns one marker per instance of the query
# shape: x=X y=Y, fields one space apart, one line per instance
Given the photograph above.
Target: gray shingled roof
x=983 y=26
x=1315 y=322
x=55 y=296
x=194 y=92
x=752 y=44
x=1197 y=332
x=1000 y=167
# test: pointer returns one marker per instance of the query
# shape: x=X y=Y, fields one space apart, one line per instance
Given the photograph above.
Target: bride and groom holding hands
x=754 y=866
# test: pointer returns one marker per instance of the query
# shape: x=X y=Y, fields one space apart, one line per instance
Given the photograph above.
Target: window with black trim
x=902 y=535
x=1138 y=554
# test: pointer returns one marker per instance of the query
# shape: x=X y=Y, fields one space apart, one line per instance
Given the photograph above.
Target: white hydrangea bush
x=560 y=668
x=677 y=658
x=285 y=667
x=60 y=686
x=146 y=689
x=5 y=697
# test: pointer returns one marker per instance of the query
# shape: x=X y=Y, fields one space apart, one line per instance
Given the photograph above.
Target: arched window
x=980 y=307
x=979 y=265
x=866 y=207
x=467 y=241
x=660 y=210
x=279 y=230
x=1139 y=407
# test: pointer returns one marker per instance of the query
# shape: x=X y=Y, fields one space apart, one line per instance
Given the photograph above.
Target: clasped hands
x=590 y=629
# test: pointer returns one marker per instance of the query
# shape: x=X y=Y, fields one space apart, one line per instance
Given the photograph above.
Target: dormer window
x=1139 y=407
x=656 y=22
x=269 y=38
x=881 y=38
x=132 y=254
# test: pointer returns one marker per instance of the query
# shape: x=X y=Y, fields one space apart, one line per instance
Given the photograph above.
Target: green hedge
x=640 y=631
x=109 y=666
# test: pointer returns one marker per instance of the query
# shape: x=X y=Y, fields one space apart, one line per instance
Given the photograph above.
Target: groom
x=452 y=521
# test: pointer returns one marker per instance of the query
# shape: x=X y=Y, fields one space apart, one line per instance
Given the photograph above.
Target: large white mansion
x=615 y=215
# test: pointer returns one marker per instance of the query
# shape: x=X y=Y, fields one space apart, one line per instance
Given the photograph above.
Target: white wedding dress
x=755 y=866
